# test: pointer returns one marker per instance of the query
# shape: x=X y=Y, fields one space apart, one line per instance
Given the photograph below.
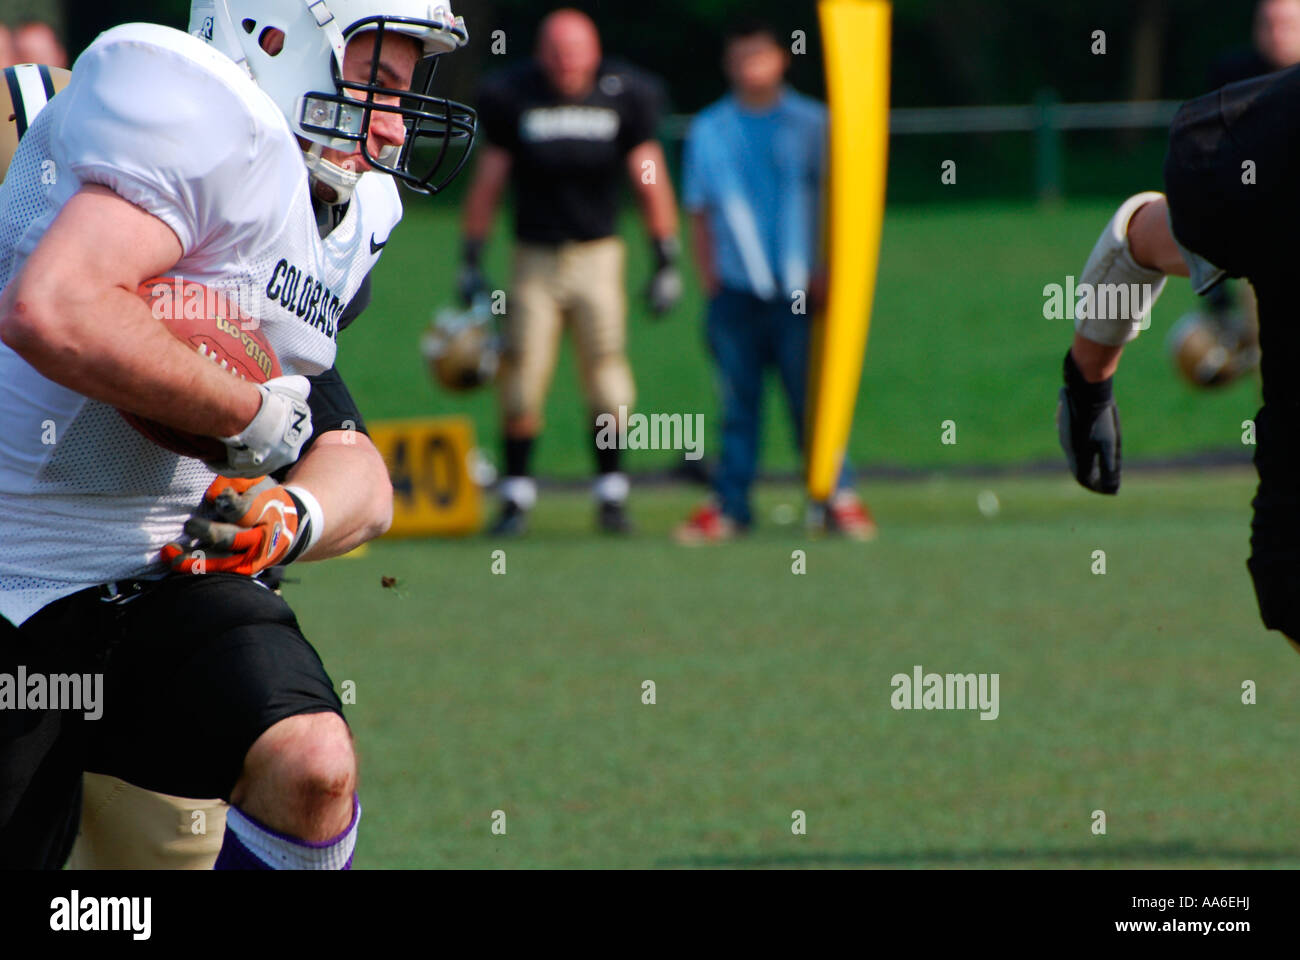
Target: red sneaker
x=707 y=524
x=848 y=515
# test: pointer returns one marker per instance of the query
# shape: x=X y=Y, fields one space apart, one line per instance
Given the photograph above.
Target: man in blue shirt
x=753 y=171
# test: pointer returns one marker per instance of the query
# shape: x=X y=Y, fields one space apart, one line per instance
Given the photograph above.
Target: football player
x=122 y=826
x=1231 y=188
x=566 y=128
x=125 y=827
x=171 y=154
x=1217 y=343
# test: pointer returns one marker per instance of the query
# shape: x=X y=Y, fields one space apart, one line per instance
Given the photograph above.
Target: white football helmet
x=1212 y=349
x=305 y=77
x=461 y=347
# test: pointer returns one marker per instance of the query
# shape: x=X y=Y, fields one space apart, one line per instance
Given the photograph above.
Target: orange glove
x=243 y=526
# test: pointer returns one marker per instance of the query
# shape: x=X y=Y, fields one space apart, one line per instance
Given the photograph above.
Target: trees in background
x=946 y=52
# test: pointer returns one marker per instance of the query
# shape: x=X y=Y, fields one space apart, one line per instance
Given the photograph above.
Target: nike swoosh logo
x=376 y=247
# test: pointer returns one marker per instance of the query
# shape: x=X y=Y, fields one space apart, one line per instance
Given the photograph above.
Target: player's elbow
x=378 y=515
x=29 y=324
x=381 y=512
x=16 y=330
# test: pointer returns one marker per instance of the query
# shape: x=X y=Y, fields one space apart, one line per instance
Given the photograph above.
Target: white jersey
x=180 y=130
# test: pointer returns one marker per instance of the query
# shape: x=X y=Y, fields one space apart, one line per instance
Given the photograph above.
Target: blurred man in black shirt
x=1275 y=45
x=36 y=42
x=566 y=128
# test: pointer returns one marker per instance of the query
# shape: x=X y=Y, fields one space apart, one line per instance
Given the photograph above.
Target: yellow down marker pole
x=855 y=38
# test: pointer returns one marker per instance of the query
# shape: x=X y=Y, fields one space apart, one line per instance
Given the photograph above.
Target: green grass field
x=1122 y=692
x=958 y=334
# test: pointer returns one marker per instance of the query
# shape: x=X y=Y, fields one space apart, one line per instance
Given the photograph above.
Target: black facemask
x=439 y=132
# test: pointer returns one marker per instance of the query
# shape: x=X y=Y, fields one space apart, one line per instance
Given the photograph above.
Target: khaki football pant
x=575 y=284
x=124 y=827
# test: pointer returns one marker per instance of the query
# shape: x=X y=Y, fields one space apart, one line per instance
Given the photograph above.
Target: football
x=218 y=329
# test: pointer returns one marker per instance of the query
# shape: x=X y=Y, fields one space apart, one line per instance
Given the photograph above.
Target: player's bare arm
x=335 y=498
x=490 y=179
x=1152 y=245
x=648 y=171
x=74 y=315
x=1136 y=252
x=346 y=474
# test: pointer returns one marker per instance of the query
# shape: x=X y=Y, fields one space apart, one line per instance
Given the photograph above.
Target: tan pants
x=126 y=828
x=574 y=284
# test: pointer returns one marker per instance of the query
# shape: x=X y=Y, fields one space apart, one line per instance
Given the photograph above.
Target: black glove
x=471 y=284
x=666 y=285
x=1088 y=423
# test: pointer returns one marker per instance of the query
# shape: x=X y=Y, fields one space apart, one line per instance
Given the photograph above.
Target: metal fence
x=1046 y=118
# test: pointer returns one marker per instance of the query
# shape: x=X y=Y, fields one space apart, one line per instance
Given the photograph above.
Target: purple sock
x=251 y=845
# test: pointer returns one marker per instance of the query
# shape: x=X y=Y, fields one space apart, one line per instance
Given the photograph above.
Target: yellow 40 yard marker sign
x=434 y=493
x=855 y=38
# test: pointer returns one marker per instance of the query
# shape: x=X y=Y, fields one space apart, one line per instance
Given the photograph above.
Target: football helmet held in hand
x=462 y=348
x=1213 y=350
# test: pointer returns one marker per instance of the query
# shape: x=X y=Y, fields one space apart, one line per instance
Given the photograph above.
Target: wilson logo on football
x=253 y=350
x=177 y=300
x=212 y=323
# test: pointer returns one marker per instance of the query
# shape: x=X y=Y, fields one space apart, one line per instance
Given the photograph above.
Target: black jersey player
x=1232 y=189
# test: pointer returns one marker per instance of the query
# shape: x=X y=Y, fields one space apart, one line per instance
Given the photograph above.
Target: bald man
x=566 y=128
x=36 y=42
x=1275 y=45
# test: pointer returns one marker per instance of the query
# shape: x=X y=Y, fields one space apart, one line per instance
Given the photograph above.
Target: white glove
x=275 y=436
x=665 y=290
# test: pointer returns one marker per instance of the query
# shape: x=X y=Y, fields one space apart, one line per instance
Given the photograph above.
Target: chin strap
x=342 y=181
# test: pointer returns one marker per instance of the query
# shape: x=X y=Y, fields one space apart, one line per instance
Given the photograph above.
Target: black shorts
x=1274 y=562
x=195 y=669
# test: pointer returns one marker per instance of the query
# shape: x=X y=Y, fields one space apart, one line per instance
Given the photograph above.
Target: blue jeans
x=746 y=335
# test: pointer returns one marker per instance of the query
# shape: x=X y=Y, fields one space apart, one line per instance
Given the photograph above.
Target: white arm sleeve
x=1102 y=314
